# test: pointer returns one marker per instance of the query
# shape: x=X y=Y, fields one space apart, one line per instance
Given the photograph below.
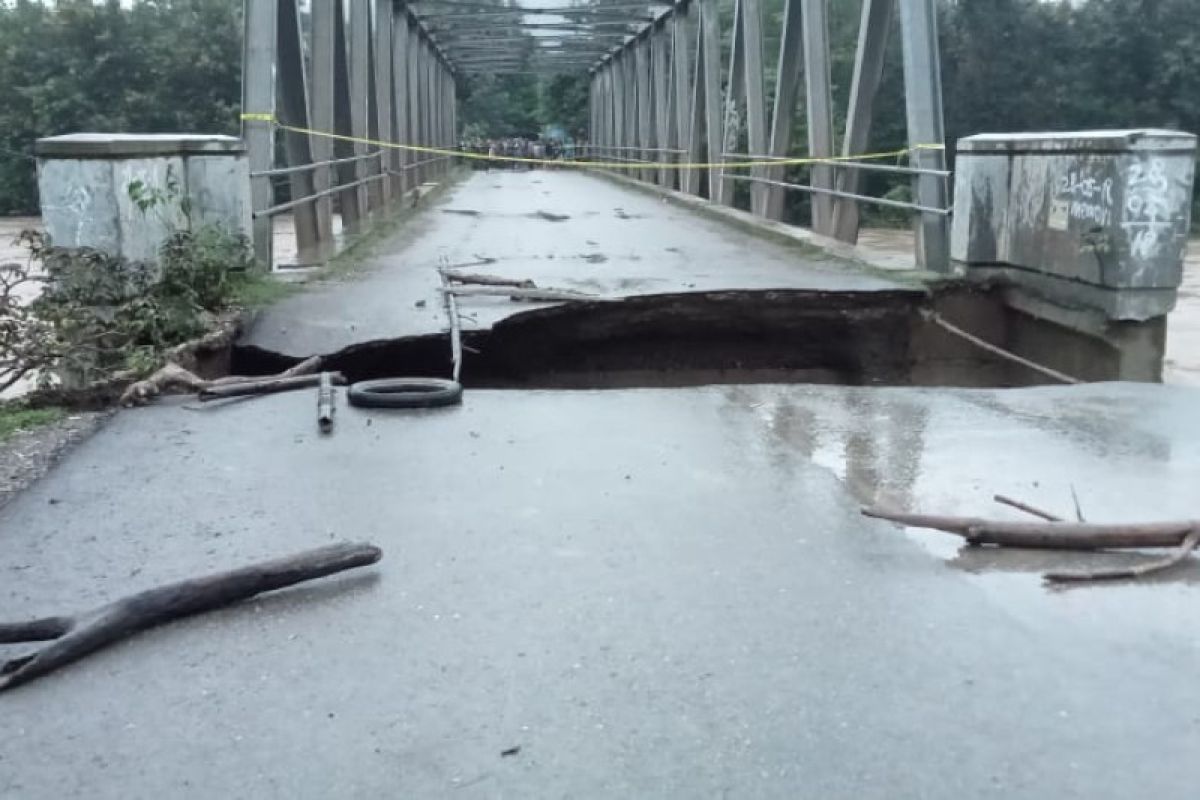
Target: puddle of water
x=948 y=452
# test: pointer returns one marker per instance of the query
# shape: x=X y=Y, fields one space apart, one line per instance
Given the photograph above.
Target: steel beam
x=710 y=23
x=415 y=46
x=646 y=100
x=659 y=43
x=322 y=47
x=400 y=44
x=868 y=74
x=616 y=70
x=820 y=109
x=258 y=98
x=384 y=93
x=923 y=95
x=681 y=93
x=292 y=99
x=787 y=80
x=352 y=200
x=735 y=95
x=359 y=52
x=756 y=106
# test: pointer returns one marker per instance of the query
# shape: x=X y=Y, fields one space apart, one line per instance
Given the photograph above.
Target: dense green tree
x=157 y=66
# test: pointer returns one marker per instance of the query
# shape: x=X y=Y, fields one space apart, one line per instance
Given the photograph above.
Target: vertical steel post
x=361 y=119
x=400 y=98
x=681 y=92
x=868 y=74
x=291 y=90
x=383 y=96
x=710 y=22
x=258 y=98
x=926 y=131
x=415 y=172
x=787 y=80
x=646 y=101
x=659 y=61
x=358 y=51
x=756 y=106
x=352 y=200
x=618 y=74
x=820 y=108
x=629 y=77
x=323 y=30
x=735 y=95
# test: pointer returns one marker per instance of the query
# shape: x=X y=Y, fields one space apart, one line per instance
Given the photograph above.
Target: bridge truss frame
x=367 y=72
x=660 y=99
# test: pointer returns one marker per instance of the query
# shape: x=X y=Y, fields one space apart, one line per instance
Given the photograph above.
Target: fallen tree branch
x=173 y=377
x=1051 y=535
x=532 y=295
x=1028 y=509
x=77 y=636
x=1135 y=571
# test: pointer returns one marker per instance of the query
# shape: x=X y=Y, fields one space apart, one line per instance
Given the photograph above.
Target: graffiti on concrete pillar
x=1147 y=214
x=1083 y=197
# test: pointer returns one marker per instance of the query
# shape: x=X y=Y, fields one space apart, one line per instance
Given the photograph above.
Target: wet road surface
x=652 y=593
x=560 y=229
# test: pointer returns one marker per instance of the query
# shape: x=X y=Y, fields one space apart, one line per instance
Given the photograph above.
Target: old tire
x=405 y=393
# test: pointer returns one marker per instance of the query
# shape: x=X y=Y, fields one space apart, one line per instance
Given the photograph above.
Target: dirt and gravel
x=28 y=455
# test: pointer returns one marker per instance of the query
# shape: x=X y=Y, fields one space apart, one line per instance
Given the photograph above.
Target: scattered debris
x=326 y=403
x=80 y=635
x=551 y=217
x=936 y=319
x=172 y=376
x=1056 y=534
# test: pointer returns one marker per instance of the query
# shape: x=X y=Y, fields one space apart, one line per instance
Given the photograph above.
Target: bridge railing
x=360 y=99
x=660 y=99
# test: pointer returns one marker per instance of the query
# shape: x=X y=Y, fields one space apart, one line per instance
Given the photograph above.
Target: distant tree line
x=1008 y=65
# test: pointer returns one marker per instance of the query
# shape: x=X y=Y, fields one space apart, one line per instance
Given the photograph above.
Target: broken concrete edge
x=862 y=258
x=1117 y=305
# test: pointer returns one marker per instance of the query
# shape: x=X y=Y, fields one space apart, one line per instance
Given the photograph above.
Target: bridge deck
x=560 y=229
x=652 y=593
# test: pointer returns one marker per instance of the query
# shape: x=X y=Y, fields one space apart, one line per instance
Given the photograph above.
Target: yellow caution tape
x=639 y=165
x=259 y=117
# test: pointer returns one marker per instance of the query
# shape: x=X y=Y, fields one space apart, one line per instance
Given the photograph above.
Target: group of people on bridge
x=539 y=149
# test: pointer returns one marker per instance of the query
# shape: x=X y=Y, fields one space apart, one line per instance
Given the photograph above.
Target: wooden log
x=78 y=636
x=266 y=386
x=1053 y=535
x=532 y=295
x=488 y=280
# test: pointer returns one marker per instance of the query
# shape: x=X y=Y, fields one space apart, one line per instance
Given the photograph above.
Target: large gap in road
x=779 y=336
